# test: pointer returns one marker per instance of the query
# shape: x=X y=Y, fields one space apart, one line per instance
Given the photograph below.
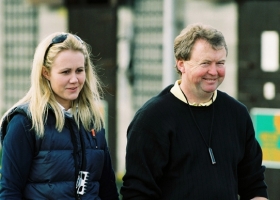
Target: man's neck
x=197 y=98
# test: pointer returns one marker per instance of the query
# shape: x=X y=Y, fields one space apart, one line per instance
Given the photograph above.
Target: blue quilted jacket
x=47 y=168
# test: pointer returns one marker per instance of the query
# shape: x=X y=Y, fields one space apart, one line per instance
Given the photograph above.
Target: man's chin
x=209 y=91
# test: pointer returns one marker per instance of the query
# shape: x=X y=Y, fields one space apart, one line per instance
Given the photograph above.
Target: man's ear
x=45 y=73
x=180 y=65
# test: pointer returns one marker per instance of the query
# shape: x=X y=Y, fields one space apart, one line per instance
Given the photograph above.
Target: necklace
x=208 y=145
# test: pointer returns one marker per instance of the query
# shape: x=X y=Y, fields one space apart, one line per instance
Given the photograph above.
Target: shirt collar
x=67 y=112
x=176 y=91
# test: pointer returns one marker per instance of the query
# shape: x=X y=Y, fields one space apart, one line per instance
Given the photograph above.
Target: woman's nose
x=74 y=78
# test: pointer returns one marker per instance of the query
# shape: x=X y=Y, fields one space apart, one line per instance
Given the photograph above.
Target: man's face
x=205 y=70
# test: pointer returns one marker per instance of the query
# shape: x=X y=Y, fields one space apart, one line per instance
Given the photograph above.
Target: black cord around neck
x=208 y=145
x=75 y=152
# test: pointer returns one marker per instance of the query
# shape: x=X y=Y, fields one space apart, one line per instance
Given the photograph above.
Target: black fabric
x=75 y=152
x=166 y=158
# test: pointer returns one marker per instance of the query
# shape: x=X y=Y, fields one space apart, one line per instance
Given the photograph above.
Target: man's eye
x=205 y=64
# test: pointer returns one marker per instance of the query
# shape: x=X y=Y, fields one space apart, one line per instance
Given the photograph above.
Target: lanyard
x=208 y=145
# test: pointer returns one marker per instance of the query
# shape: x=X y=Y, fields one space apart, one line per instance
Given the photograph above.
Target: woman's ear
x=180 y=65
x=45 y=73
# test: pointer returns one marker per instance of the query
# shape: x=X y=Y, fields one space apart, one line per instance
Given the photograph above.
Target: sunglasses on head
x=59 y=39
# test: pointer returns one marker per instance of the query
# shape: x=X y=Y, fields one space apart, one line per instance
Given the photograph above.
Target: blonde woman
x=53 y=141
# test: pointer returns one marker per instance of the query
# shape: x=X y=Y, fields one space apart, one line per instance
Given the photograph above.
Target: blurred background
x=132 y=44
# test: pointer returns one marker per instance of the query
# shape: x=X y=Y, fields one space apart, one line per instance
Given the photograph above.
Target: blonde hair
x=86 y=108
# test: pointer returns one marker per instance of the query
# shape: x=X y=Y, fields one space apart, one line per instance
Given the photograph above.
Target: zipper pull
x=93 y=135
x=93 y=132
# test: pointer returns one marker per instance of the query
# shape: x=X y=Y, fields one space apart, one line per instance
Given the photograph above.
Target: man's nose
x=212 y=69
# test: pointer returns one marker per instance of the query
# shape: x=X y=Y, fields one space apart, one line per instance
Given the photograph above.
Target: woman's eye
x=80 y=70
x=66 y=72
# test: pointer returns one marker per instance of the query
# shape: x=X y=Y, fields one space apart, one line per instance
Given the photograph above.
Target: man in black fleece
x=193 y=141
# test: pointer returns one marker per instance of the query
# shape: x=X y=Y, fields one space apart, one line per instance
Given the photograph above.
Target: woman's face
x=67 y=76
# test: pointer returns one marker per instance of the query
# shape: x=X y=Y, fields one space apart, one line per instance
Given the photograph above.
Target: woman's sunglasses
x=59 y=39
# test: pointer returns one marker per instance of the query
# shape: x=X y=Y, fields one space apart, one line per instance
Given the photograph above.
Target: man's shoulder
x=229 y=101
x=162 y=98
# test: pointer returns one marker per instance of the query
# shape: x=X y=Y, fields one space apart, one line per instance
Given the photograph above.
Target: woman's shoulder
x=21 y=110
x=18 y=117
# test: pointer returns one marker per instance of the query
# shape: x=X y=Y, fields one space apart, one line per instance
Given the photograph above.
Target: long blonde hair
x=86 y=108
